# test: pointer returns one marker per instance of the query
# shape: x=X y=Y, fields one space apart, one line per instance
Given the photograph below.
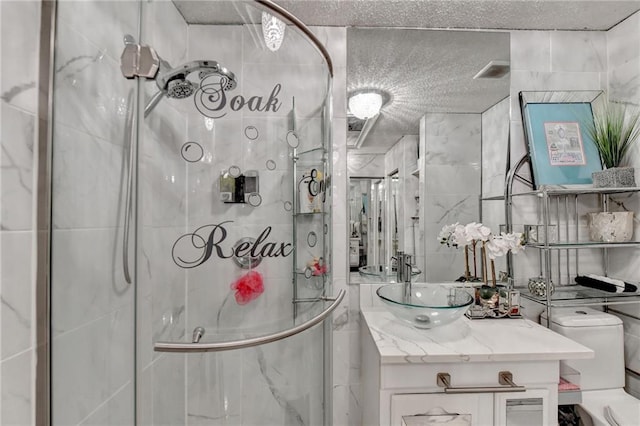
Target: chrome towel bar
x=255 y=341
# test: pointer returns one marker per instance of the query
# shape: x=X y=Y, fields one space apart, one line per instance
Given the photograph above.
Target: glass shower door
x=92 y=307
x=232 y=218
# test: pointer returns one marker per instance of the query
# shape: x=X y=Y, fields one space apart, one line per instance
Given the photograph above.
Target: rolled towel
x=599 y=284
x=618 y=283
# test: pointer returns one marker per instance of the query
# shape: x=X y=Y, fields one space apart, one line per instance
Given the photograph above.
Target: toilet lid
x=624 y=408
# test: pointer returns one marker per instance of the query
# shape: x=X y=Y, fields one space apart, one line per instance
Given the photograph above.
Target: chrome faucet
x=398 y=258
x=403 y=274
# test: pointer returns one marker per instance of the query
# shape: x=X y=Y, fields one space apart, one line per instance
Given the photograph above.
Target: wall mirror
x=427 y=80
x=366 y=217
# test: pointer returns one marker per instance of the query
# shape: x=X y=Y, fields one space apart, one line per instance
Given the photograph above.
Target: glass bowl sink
x=429 y=305
x=383 y=273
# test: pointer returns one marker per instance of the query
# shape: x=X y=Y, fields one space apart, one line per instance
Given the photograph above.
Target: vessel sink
x=428 y=305
x=383 y=273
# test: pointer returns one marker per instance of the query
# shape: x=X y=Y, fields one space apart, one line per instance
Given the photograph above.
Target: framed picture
x=560 y=149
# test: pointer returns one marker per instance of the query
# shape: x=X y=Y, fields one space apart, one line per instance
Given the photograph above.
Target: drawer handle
x=505 y=378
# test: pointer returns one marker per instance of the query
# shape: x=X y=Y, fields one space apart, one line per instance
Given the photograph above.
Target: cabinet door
x=530 y=408
x=437 y=408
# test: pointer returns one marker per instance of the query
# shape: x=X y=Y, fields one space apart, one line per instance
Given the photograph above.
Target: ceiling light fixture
x=272 y=31
x=366 y=103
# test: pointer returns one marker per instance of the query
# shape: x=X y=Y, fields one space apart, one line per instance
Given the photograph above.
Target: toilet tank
x=600 y=332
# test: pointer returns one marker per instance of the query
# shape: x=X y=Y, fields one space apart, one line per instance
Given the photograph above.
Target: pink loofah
x=248 y=287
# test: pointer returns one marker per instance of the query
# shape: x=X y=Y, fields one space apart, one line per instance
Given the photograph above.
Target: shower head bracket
x=138 y=61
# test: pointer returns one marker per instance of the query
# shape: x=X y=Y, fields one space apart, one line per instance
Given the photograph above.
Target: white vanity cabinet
x=400 y=367
x=528 y=408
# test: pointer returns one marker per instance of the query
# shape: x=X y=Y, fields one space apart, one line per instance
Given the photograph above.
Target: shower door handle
x=255 y=341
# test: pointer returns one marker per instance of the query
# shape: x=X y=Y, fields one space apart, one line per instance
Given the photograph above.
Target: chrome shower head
x=180 y=88
x=175 y=82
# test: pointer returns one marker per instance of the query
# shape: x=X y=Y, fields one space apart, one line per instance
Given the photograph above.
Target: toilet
x=601 y=378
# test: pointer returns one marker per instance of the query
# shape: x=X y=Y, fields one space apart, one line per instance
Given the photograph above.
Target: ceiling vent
x=494 y=69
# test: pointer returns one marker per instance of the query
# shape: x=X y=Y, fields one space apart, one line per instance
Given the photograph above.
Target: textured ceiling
x=424 y=70
x=488 y=14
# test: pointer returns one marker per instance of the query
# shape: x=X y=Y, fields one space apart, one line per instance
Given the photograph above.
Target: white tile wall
x=574 y=60
x=623 y=68
x=19 y=23
x=365 y=165
x=443 y=137
x=495 y=137
x=534 y=55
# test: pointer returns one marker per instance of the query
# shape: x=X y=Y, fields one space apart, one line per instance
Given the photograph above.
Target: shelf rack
x=566 y=293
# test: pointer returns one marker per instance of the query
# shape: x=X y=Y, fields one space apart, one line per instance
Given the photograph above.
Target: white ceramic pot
x=610 y=227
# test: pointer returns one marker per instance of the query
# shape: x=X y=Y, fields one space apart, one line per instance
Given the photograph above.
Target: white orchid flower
x=460 y=236
x=496 y=247
x=477 y=231
x=500 y=245
x=445 y=234
x=514 y=240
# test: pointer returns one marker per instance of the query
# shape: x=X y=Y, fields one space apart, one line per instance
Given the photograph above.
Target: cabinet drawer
x=407 y=377
x=425 y=409
x=529 y=408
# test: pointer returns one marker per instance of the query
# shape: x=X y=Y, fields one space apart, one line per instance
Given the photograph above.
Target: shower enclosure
x=190 y=233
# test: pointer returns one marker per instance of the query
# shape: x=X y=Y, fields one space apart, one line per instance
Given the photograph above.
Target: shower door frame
x=43 y=154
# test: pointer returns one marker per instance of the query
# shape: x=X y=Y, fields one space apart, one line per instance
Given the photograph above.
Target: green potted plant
x=614 y=131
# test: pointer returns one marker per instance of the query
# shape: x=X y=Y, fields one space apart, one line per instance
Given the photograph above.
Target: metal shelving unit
x=559 y=259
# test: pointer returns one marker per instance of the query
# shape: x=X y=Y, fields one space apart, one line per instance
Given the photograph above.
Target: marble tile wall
x=549 y=60
x=607 y=61
x=539 y=61
x=623 y=71
x=449 y=186
x=19 y=23
x=365 y=165
x=495 y=142
x=495 y=138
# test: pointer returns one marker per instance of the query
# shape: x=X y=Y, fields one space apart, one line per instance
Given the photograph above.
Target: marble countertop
x=486 y=340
